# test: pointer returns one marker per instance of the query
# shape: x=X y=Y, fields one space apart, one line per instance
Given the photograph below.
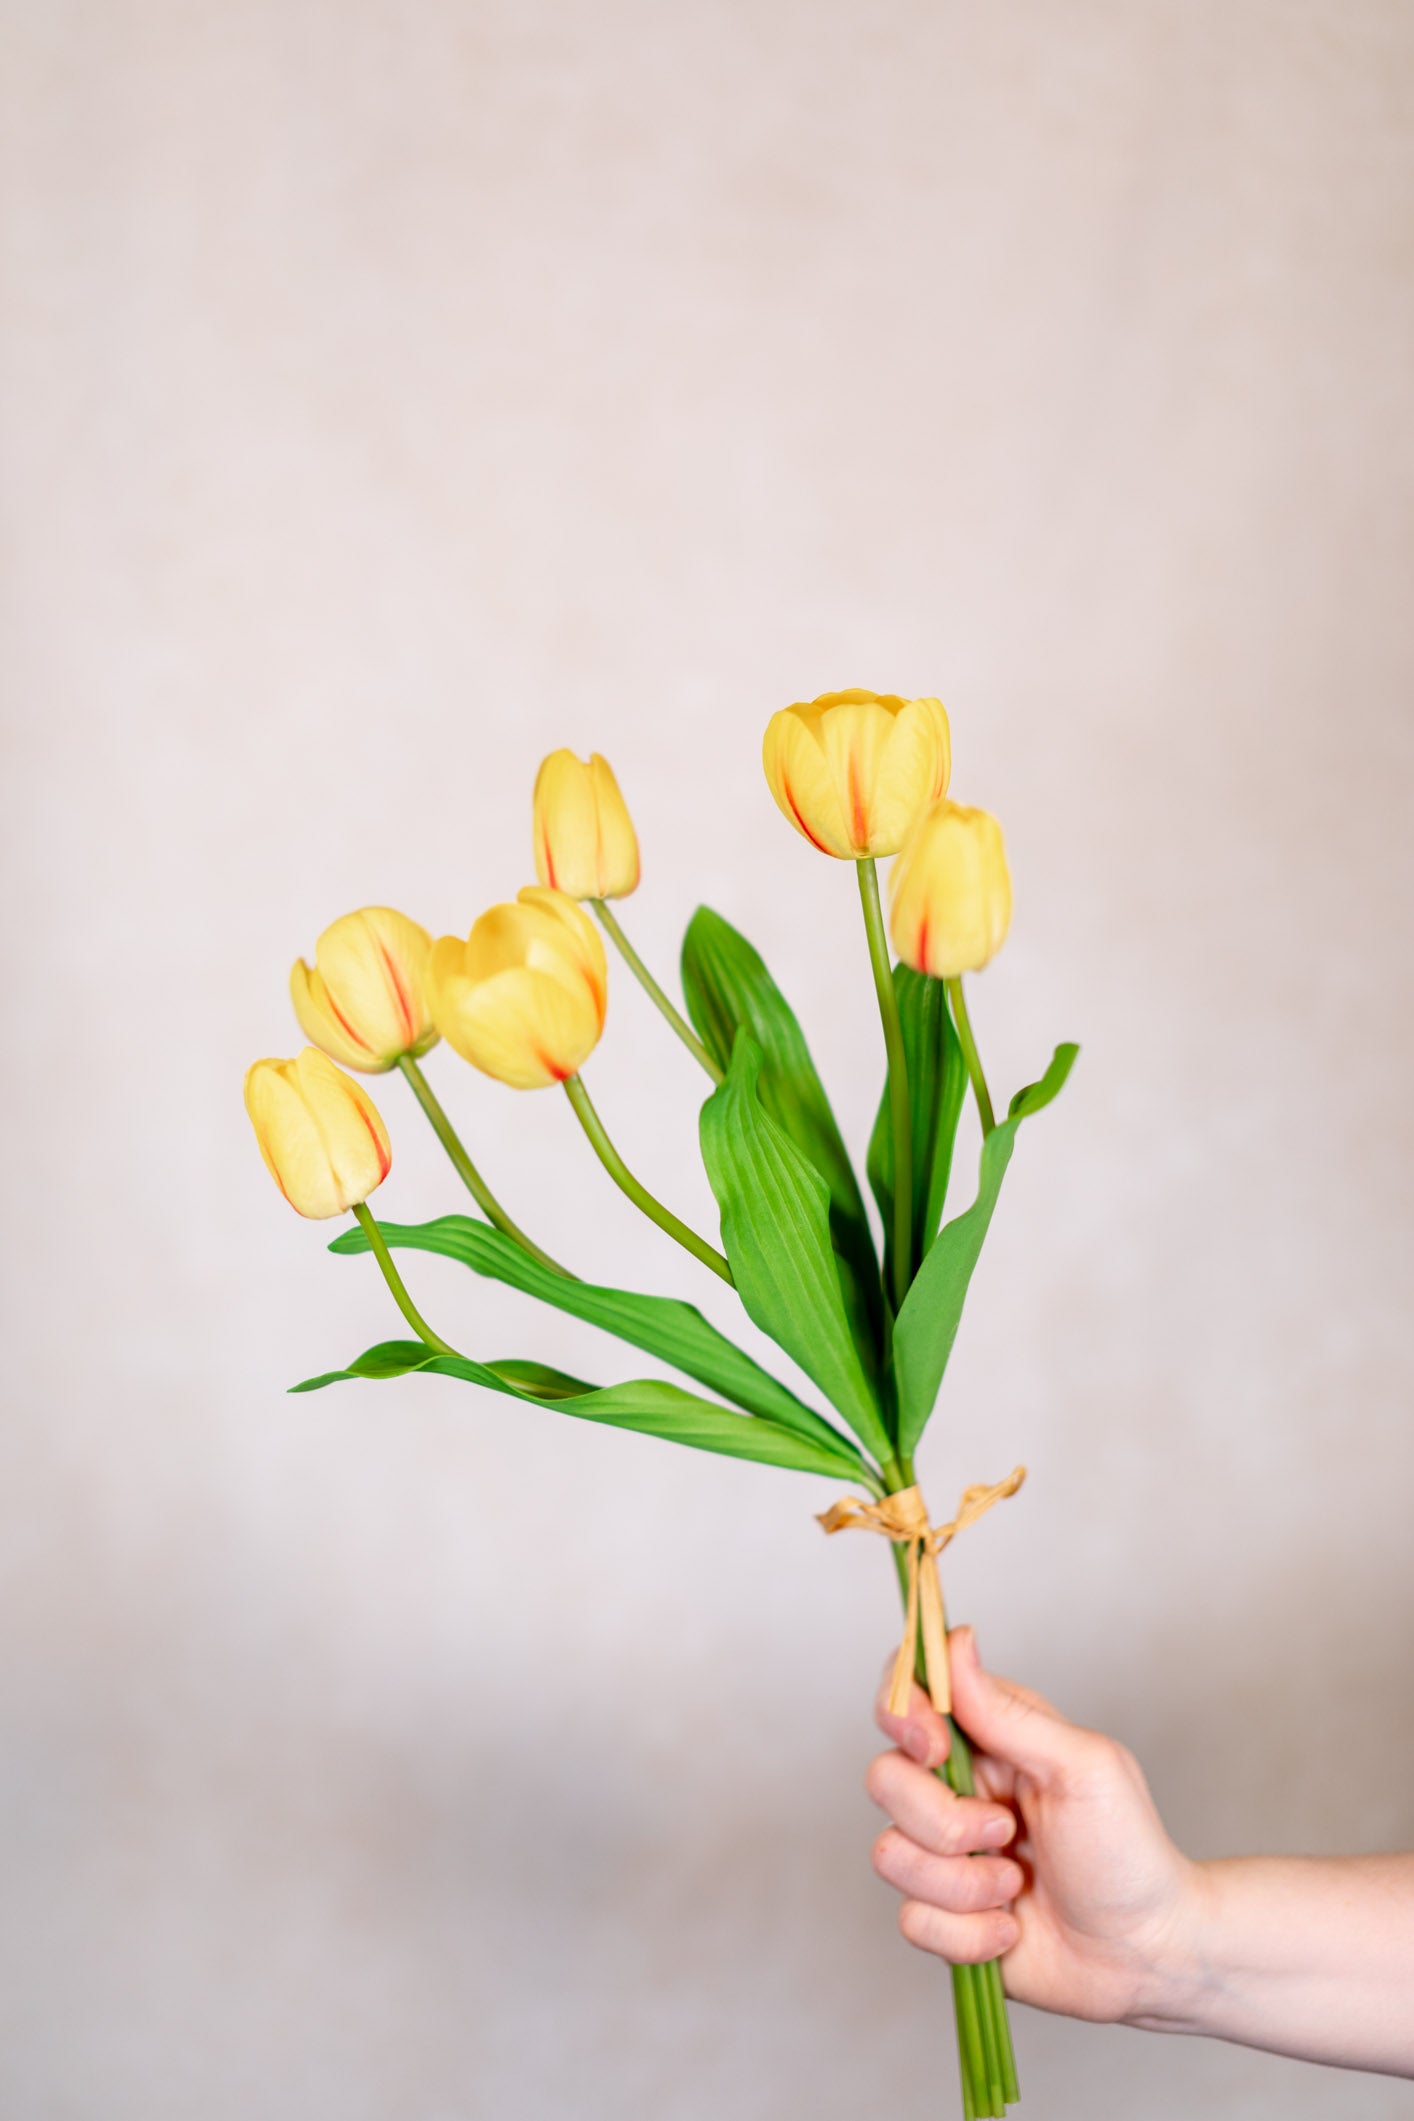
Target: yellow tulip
x=950 y=892
x=585 y=844
x=852 y=770
x=523 y=998
x=320 y=1134
x=365 y=1002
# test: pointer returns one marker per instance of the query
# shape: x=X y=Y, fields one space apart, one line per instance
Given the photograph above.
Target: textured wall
x=390 y=394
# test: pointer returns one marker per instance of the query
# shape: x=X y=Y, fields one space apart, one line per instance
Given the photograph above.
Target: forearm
x=1312 y=1957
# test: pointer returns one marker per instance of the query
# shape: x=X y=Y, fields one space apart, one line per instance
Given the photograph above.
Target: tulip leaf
x=937 y=1084
x=728 y=988
x=659 y=1325
x=776 y=1234
x=645 y=1404
x=927 y=1324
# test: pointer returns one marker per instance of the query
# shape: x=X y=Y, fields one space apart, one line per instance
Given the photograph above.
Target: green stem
x=395 y=1281
x=986 y=2057
x=970 y=1054
x=654 y=992
x=900 y=1119
x=619 y=1172
x=466 y=1170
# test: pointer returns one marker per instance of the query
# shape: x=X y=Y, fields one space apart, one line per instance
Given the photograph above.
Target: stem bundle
x=986 y=2058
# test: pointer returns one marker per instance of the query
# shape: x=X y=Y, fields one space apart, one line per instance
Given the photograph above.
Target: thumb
x=1009 y=1721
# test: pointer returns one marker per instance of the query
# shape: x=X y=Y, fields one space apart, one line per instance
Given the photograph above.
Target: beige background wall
x=390 y=394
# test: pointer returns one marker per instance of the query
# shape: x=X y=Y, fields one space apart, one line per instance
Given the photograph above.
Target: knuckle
x=1125 y=1761
x=953 y=1836
x=916 y=1922
x=970 y=1889
x=990 y=1883
x=1091 y=1758
x=983 y=1938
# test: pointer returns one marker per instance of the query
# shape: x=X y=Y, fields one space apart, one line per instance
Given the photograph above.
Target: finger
x=964 y=1885
x=994 y=1778
x=963 y=1940
x=1009 y=1721
x=921 y=1732
x=928 y=1812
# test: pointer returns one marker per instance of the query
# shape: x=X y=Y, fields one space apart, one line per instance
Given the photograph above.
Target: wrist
x=1177 y=1975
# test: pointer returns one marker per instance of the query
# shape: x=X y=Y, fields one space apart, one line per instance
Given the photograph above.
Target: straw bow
x=903 y=1517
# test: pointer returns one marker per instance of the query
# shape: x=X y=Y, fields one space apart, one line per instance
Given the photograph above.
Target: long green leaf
x=932 y=1311
x=728 y=989
x=776 y=1234
x=659 y=1325
x=645 y=1404
x=937 y=1083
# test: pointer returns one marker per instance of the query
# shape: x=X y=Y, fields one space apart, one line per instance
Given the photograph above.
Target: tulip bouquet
x=523 y=998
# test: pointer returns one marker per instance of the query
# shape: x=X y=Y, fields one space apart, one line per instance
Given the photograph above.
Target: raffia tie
x=903 y=1517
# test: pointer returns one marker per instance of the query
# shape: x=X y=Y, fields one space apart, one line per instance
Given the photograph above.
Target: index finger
x=920 y=1732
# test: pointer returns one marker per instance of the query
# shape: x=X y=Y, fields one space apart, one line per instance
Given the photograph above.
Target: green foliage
x=776 y=1232
x=660 y=1325
x=645 y=1404
x=728 y=989
x=937 y=1084
x=927 y=1324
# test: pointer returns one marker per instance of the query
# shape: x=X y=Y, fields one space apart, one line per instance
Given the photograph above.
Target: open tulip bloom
x=858 y=775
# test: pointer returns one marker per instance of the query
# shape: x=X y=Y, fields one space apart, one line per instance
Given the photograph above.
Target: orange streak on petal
x=789 y=795
x=385 y=1155
x=857 y=813
x=400 y=993
x=338 y=1015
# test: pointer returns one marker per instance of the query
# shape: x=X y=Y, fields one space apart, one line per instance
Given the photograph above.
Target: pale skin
x=1062 y=1867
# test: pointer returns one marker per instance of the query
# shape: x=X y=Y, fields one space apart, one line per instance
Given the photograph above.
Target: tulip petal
x=912 y=772
x=852 y=770
x=524 y=998
x=371 y=963
x=364 y=1003
x=566 y=829
x=618 y=858
x=524 y=1028
x=585 y=844
x=950 y=892
x=324 y=1027
x=319 y=1132
x=350 y=1130
x=800 y=779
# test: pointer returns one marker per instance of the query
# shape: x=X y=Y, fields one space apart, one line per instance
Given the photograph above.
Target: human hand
x=1091 y=1908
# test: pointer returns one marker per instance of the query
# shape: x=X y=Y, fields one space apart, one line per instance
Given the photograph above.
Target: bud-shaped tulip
x=320 y=1134
x=585 y=844
x=524 y=997
x=950 y=892
x=365 y=1002
x=852 y=770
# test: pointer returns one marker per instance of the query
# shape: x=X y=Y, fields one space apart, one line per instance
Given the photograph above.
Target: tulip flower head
x=524 y=997
x=585 y=844
x=950 y=892
x=853 y=770
x=320 y=1133
x=365 y=1002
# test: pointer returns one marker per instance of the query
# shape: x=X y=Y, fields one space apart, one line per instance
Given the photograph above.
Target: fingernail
x=997 y=1832
x=915 y=1744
